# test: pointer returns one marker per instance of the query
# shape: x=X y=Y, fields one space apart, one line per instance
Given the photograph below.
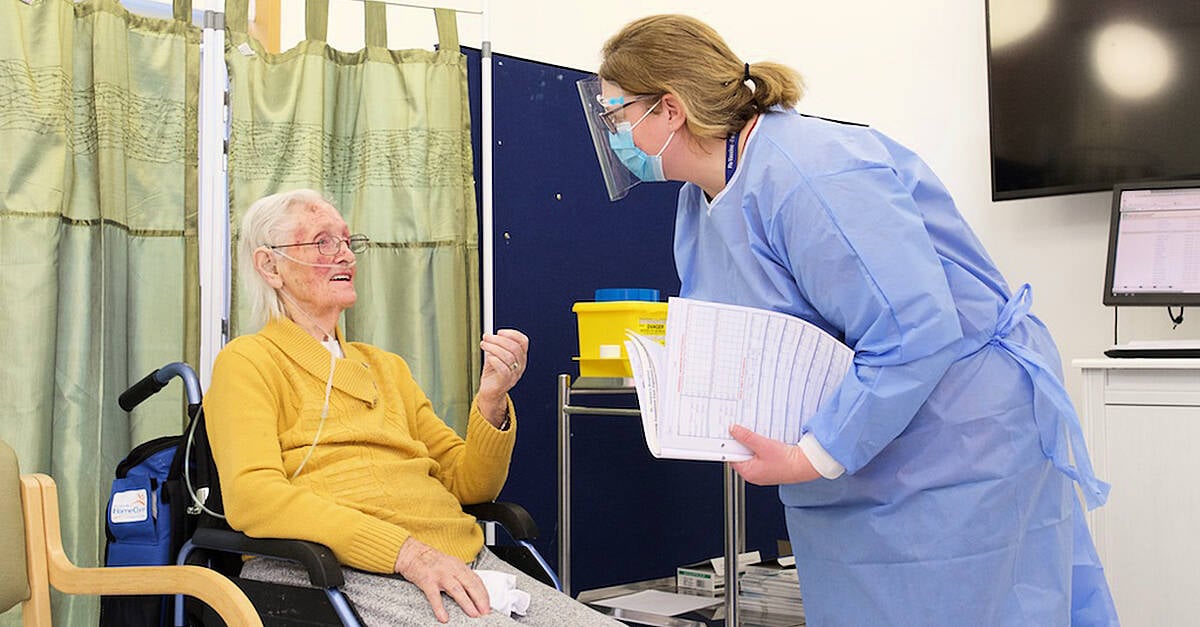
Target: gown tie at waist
x=1046 y=384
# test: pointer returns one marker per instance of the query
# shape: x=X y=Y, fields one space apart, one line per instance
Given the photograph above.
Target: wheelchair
x=212 y=542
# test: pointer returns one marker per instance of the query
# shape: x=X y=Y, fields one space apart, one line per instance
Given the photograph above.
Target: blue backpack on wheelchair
x=152 y=508
x=139 y=508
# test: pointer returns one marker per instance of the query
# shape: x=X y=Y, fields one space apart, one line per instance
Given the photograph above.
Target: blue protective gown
x=958 y=505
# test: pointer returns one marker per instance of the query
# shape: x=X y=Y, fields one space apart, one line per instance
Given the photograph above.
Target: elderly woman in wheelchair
x=320 y=439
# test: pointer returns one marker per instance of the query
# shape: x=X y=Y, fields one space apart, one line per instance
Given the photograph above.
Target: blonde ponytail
x=684 y=56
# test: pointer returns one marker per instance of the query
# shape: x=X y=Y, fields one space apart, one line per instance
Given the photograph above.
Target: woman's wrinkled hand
x=435 y=572
x=504 y=361
x=774 y=462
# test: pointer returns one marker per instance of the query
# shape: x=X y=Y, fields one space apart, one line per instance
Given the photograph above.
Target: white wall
x=914 y=69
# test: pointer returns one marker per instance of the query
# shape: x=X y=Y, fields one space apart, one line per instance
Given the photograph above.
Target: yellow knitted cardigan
x=386 y=467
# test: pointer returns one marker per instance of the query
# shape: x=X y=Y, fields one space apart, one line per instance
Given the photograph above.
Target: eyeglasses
x=330 y=246
x=618 y=104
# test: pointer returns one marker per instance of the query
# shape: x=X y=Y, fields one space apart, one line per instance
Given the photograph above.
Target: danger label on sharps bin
x=653 y=328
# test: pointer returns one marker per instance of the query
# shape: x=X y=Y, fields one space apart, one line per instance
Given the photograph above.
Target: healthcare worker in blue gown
x=938 y=485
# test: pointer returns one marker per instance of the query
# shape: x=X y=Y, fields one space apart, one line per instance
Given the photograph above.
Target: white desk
x=1141 y=420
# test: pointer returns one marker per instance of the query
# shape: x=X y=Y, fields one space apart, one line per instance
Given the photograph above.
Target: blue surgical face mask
x=645 y=167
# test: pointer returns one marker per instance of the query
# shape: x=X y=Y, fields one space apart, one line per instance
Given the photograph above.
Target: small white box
x=707 y=577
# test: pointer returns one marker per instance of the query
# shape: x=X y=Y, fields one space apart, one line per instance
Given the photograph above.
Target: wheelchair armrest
x=511 y=516
x=324 y=571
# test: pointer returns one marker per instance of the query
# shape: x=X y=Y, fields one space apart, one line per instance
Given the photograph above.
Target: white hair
x=269 y=221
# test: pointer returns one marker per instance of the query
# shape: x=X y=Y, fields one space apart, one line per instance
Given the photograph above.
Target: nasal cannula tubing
x=324 y=413
x=328 y=380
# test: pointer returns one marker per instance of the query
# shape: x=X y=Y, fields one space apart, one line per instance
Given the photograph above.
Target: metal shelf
x=734 y=485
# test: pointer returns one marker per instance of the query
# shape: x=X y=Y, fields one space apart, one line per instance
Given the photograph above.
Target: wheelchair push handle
x=157 y=380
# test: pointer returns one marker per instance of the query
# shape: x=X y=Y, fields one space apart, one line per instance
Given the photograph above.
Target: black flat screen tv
x=1154 y=245
x=1085 y=94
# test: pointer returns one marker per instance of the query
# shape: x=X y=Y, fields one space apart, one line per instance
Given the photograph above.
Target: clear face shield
x=604 y=113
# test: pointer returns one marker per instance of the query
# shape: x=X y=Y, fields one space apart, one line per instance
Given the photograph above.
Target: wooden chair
x=32 y=552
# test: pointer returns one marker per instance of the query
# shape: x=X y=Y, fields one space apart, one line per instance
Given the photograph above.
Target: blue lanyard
x=731 y=155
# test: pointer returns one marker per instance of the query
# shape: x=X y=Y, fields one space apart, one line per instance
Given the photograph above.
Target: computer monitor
x=1154 y=245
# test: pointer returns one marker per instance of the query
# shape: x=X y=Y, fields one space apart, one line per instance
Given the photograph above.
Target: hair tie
x=746 y=75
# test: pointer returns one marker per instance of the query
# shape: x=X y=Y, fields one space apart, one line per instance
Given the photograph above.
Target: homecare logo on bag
x=129 y=506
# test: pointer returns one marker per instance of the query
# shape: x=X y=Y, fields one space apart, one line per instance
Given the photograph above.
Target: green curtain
x=97 y=244
x=385 y=135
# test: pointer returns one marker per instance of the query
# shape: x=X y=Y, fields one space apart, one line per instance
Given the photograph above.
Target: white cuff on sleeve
x=825 y=464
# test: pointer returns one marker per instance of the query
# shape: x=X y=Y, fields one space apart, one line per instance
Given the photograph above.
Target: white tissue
x=503 y=593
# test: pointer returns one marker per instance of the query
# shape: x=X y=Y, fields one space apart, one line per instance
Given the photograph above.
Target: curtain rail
x=414 y=5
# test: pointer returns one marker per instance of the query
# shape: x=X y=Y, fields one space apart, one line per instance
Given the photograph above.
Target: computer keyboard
x=1161 y=349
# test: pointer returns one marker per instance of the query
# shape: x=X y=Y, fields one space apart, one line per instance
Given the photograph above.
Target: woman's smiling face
x=323 y=291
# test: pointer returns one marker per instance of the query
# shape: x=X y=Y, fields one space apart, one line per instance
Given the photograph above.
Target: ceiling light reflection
x=1010 y=21
x=1132 y=61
